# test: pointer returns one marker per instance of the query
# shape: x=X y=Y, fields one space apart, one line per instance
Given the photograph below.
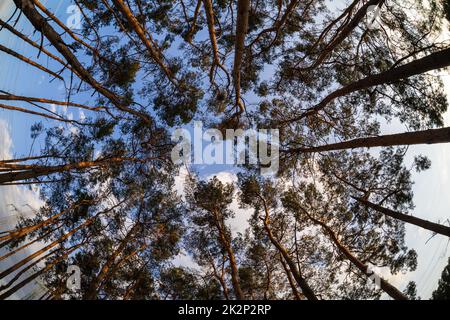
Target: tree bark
x=432 y=136
x=32 y=43
x=145 y=38
x=434 y=227
x=37 y=240
x=40 y=24
x=212 y=36
x=434 y=61
x=36 y=275
x=243 y=9
x=22 y=262
x=233 y=263
x=96 y=282
x=344 y=33
x=291 y=281
x=11 y=97
x=302 y=283
x=385 y=286
x=25 y=172
x=29 y=61
x=27 y=230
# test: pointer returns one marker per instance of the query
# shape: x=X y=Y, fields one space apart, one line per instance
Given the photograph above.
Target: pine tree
x=443 y=290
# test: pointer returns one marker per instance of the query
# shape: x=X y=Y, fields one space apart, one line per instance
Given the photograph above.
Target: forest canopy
x=327 y=75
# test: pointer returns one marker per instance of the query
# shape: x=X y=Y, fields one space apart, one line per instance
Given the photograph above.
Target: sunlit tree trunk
x=434 y=61
x=291 y=281
x=243 y=9
x=39 y=252
x=220 y=225
x=96 y=282
x=432 y=136
x=37 y=274
x=385 y=286
x=302 y=283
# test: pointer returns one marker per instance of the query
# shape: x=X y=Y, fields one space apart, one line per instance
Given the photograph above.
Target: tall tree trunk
x=91 y=293
x=40 y=24
x=37 y=253
x=344 y=33
x=26 y=245
x=302 y=283
x=385 y=286
x=243 y=9
x=213 y=39
x=291 y=281
x=117 y=265
x=432 y=136
x=226 y=243
x=29 y=61
x=25 y=172
x=36 y=274
x=12 y=97
x=434 y=61
x=435 y=227
x=32 y=43
x=17 y=234
x=145 y=38
x=31 y=265
x=220 y=278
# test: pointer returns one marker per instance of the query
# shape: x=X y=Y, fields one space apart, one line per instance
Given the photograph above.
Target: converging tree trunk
x=432 y=136
x=221 y=229
x=243 y=9
x=434 y=61
x=434 y=227
x=96 y=282
x=385 y=286
x=302 y=283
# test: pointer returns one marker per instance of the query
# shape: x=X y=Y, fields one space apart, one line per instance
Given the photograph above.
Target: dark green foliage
x=443 y=290
x=108 y=184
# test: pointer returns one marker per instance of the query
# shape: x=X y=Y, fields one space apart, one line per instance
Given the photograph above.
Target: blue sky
x=431 y=189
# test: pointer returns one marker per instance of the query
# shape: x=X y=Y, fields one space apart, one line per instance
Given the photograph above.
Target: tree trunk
x=32 y=43
x=145 y=38
x=432 y=136
x=36 y=275
x=243 y=9
x=96 y=282
x=40 y=24
x=37 y=240
x=302 y=283
x=220 y=278
x=27 y=230
x=44 y=249
x=437 y=60
x=29 y=61
x=117 y=265
x=291 y=281
x=434 y=227
x=233 y=264
x=25 y=172
x=344 y=33
x=385 y=286
x=21 y=272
